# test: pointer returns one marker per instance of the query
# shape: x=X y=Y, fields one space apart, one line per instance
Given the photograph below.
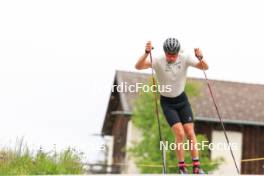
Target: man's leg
x=178 y=131
x=189 y=131
x=190 y=134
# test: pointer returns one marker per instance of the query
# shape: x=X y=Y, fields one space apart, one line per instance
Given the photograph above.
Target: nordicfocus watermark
x=198 y=146
x=137 y=87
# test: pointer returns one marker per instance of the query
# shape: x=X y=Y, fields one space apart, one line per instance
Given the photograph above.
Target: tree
x=147 y=150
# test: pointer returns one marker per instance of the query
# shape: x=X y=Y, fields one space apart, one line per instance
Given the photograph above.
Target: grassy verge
x=22 y=161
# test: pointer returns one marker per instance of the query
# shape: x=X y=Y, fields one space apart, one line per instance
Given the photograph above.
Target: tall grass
x=22 y=161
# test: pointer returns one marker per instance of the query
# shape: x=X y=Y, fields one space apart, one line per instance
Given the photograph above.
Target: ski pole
x=164 y=170
x=219 y=116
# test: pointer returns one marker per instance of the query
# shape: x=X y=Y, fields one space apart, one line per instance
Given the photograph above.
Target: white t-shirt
x=173 y=74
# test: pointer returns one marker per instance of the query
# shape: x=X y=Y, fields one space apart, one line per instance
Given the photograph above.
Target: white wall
x=110 y=145
x=228 y=167
x=133 y=135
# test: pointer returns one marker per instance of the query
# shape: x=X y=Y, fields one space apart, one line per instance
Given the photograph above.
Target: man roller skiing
x=171 y=69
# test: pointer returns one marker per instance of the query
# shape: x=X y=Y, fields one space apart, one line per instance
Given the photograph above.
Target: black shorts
x=177 y=109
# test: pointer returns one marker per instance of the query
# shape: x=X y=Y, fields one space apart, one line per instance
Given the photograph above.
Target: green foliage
x=21 y=161
x=147 y=151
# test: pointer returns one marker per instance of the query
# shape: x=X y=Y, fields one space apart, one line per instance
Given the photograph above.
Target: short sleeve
x=191 y=61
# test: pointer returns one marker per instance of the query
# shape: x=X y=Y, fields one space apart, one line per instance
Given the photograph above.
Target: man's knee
x=190 y=134
x=178 y=131
x=180 y=135
x=189 y=130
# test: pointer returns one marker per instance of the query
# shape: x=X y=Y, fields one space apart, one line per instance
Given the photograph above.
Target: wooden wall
x=120 y=133
x=252 y=147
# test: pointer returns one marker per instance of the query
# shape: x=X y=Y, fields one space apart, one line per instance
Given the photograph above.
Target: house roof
x=238 y=102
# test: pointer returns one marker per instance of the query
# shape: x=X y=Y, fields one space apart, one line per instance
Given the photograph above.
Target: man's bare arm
x=143 y=62
x=202 y=64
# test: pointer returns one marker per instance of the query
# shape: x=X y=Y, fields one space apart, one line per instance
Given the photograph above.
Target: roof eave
x=230 y=121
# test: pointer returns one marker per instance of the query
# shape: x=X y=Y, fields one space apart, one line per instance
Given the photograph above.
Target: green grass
x=22 y=161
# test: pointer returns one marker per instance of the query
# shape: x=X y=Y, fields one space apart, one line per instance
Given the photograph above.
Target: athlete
x=171 y=69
